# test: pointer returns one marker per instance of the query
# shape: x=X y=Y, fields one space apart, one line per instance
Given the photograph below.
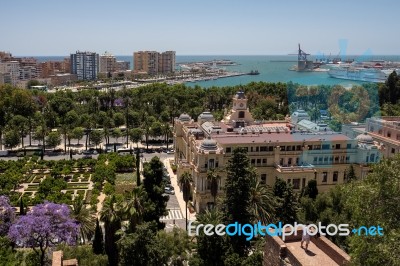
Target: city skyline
x=206 y=28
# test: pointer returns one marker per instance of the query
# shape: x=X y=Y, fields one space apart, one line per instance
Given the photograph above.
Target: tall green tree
x=84 y=217
x=133 y=207
x=211 y=249
x=98 y=242
x=375 y=201
x=213 y=178
x=111 y=216
x=237 y=196
x=154 y=187
x=262 y=202
x=184 y=182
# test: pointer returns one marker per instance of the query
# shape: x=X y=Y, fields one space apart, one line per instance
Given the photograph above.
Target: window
x=211 y=163
x=335 y=176
x=337 y=146
x=324 y=177
x=251 y=149
x=253 y=161
x=348 y=146
x=296 y=183
x=263 y=148
x=297 y=161
x=257 y=148
x=241 y=114
x=298 y=148
x=258 y=161
x=264 y=161
x=347 y=159
x=325 y=159
x=228 y=149
x=372 y=158
x=283 y=148
x=315 y=159
x=325 y=146
x=317 y=147
x=303 y=183
x=216 y=164
x=289 y=180
x=389 y=134
x=206 y=165
x=263 y=178
x=393 y=150
x=290 y=161
x=281 y=161
x=270 y=148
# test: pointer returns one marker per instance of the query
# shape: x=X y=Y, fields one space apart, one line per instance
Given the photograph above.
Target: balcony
x=295 y=168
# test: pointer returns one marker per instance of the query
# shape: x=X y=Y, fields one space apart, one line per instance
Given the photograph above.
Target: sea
x=272 y=68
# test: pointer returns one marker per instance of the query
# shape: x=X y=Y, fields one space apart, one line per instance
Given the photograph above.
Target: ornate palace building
x=274 y=147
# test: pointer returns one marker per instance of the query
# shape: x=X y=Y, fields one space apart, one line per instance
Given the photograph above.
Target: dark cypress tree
x=237 y=200
x=21 y=207
x=311 y=190
x=138 y=167
x=98 y=245
x=350 y=175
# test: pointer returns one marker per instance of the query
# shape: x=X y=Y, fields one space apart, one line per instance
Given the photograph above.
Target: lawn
x=125 y=182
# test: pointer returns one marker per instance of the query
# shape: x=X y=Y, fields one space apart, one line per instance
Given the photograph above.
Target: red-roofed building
x=275 y=150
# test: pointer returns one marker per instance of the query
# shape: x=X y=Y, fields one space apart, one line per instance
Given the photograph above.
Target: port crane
x=301 y=55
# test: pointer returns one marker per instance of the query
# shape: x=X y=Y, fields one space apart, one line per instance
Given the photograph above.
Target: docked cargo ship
x=359 y=74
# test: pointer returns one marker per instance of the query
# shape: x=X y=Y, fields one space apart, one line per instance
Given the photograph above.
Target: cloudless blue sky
x=205 y=27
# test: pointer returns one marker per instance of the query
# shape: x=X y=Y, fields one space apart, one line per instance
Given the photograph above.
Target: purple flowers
x=7 y=215
x=47 y=224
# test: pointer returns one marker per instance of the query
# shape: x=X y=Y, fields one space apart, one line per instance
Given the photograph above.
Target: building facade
x=108 y=63
x=275 y=150
x=85 y=65
x=10 y=70
x=153 y=63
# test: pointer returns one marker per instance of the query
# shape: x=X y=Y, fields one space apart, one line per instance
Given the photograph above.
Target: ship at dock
x=349 y=72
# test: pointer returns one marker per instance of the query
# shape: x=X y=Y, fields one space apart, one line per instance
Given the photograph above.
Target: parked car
x=170 y=191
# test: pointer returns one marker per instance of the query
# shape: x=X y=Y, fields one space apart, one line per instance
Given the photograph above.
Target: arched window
x=241 y=114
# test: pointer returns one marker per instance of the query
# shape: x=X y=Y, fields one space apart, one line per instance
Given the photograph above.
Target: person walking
x=305 y=237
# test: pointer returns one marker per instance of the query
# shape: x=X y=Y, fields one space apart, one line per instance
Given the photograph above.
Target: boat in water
x=359 y=74
x=254 y=72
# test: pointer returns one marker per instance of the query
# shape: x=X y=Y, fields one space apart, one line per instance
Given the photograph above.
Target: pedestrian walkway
x=173 y=215
x=178 y=192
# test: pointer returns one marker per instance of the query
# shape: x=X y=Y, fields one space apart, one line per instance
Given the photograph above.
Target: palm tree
x=133 y=207
x=184 y=182
x=213 y=177
x=111 y=216
x=262 y=202
x=84 y=218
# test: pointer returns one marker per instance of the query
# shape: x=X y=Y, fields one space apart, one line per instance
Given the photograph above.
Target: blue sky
x=219 y=27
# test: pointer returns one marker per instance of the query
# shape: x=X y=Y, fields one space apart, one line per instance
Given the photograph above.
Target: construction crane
x=301 y=55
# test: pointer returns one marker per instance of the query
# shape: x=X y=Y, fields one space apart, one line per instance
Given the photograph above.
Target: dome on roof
x=184 y=117
x=209 y=144
x=365 y=138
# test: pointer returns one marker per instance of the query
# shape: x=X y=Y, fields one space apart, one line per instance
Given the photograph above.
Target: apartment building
x=153 y=63
x=108 y=63
x=11 y=70
x=51 y=68
x=85 y=65
x=275 y=150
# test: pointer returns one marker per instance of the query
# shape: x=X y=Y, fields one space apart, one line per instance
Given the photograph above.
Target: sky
x=219 y=27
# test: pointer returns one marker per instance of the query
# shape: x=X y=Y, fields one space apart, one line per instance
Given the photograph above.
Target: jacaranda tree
x=47 y=224
x=7 y=215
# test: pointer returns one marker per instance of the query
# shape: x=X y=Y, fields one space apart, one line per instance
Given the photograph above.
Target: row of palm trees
x=262 y=199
